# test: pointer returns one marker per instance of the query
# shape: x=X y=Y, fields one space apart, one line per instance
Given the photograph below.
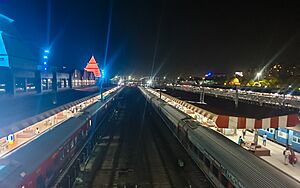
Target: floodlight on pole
x=149 y=82
x=258 y=75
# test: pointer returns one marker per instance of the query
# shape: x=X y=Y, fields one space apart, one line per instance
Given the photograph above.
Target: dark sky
x=192 y=37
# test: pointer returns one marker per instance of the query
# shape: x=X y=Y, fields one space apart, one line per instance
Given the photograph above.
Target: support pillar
x=54 y=81
x=11 y=83
x=236 y=99
x=38 y=82
x=70 y=81
x=255 y=139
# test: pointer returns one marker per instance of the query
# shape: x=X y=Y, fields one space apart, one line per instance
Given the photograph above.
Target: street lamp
x=258 y=75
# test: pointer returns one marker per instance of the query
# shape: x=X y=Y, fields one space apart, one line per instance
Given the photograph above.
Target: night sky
x=190 y=37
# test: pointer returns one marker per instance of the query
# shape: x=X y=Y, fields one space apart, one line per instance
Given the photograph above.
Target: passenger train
x=283 y=136
x=44 y=160
x=224 y=163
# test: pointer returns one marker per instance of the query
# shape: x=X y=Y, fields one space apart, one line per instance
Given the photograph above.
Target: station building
x=19 y=67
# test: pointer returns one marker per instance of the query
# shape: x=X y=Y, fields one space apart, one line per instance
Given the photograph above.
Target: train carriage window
x=72 y=144
x=295 y=139
x=195 y=149
x=201 y=155
x=49 y=173
x=224 y=181
x=76 y=139
x=215 y=171
x=191 y=144
x=40 y=182
x=62 y=155
x=30 y=184
x=207 y=162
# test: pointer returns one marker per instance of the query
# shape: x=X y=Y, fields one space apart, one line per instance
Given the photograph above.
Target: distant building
x=214 y=78
x=19 y=68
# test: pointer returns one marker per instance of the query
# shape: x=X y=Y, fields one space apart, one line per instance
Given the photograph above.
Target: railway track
x=135 y=154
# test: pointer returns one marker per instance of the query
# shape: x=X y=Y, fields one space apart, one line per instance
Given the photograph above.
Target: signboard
x=4 y=61
x=10 y=139
x=3 y=54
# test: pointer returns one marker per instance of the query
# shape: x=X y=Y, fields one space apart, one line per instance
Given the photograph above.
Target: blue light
x=46 y=51
x=2 y=166
x=45 y=63
x=45 y=57
x=45 y=68
x=209 y=74
x=102 y=73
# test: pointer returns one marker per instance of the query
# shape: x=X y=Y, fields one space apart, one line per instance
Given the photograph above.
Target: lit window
x=295 y=139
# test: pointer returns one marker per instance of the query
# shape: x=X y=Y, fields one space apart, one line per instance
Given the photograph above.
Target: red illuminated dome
x=93 y=67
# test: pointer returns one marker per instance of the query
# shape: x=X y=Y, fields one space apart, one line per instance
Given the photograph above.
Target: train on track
x=283 y=136
x=224 y=162
x=45 y=161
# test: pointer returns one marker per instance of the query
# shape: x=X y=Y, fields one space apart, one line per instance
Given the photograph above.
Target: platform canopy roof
x=240 y=122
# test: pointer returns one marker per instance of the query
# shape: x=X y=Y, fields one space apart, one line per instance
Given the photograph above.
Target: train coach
x=283 y=136
x=41 y=162
x=225 y=163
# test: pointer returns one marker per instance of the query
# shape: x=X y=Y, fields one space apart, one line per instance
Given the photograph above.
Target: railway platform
x=276 y=150
x=42 y=125
x=273 y=151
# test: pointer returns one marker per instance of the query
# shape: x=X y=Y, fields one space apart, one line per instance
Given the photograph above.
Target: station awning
x=251 y=123
x=233 y=122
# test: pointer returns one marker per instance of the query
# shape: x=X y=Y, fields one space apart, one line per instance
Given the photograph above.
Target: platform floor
x=276 y=159
x=30 y=133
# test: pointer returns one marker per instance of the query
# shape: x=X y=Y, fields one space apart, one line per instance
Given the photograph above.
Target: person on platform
x=37 y=131
x=244 y=133
x=286 y=154
x=240 y=141
x=292 y=157
x=265 y=139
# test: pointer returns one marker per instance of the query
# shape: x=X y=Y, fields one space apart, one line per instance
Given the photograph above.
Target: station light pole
x=101 y=84
x=258 y=75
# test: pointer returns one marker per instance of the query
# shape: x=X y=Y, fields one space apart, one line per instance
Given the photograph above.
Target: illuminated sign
x=3 y=54
x=10 y=139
